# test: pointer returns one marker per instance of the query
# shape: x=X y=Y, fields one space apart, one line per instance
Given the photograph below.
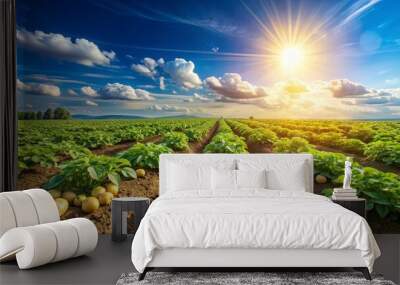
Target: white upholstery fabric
x=87 y=235
x=67 y=237
x=22 y=207
x=46 y=209
x=7 y=218
x=31 y=232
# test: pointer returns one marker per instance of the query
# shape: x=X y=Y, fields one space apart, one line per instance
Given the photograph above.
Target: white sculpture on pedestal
x=347 y=174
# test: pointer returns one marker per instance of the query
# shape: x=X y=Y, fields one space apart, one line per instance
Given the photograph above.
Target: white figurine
x=347 y=174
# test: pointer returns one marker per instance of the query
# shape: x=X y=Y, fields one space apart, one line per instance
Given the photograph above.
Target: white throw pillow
x=251 y=178
x=294 y=179
x=184 y=178
x=223 y=179
x=281 y=175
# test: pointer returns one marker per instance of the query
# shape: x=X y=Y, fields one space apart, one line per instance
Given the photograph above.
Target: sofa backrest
x=231 y=161
x=26 y=208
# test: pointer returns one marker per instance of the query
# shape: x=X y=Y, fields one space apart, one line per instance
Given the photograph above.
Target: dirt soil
x=258 y=147
x=113 y=149
x=141 y=187
x=197 y=147
x=35 y=177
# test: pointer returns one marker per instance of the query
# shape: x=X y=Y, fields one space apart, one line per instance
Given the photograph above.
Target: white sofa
x=31 y=231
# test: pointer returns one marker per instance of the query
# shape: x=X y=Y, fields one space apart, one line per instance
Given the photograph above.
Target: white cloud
x=162 y=83
x=38 y=89
x=54 y=79
x=215 y=49
x=188 y=100
x=168 y=108
x=373 y=100
x=148 y=67
x=80 y=51
x=160 y=62
x=123 y=92
x=146 y=86
x=358 y=8
x=182 y=73
x=392 y=81
x=232 y=86
x=117 y=91
x=91 y=103
x=143 y=70
x=96 y=75
x=89 y=91
x=72 y=92
x=292 y=86
x=200 y=98
x=345 y=88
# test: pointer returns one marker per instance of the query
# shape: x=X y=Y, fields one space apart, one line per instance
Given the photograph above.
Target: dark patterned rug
x=243 y=278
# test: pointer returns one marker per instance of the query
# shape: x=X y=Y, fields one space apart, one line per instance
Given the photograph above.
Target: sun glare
x=292 y=58
x=295 y=44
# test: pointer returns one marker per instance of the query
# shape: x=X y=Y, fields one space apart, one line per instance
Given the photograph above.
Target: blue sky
x=273 y=59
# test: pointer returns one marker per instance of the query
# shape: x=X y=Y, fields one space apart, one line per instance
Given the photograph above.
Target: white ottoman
x=31 y=232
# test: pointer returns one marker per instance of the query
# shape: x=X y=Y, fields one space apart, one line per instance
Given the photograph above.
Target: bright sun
x=292 y=58
x=293 y=45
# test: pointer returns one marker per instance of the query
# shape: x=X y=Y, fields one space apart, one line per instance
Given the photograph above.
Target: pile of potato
x=99 y=196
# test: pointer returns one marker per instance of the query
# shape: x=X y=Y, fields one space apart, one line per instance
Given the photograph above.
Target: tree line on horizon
x=50 y=114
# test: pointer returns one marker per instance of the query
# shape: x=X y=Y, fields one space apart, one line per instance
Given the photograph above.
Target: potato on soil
x=90 y=204
x=105 y=198
x=55 y=193
x=98 y=190
x=320 y=179
x=112 y=188
x=62 y=205
x=79 y=199
x=69 y=196
x=140 y=173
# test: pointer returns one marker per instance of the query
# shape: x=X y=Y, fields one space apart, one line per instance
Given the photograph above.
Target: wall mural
x=104 y=87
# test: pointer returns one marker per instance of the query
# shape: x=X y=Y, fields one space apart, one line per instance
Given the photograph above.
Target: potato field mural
x=105 y=87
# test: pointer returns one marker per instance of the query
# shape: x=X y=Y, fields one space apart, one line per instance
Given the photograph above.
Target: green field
x=78 y=155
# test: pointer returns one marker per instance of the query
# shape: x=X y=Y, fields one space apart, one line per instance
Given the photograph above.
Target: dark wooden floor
x=110 y=260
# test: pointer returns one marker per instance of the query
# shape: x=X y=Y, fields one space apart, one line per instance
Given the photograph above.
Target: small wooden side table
x=120 y=207
x=357 y=205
